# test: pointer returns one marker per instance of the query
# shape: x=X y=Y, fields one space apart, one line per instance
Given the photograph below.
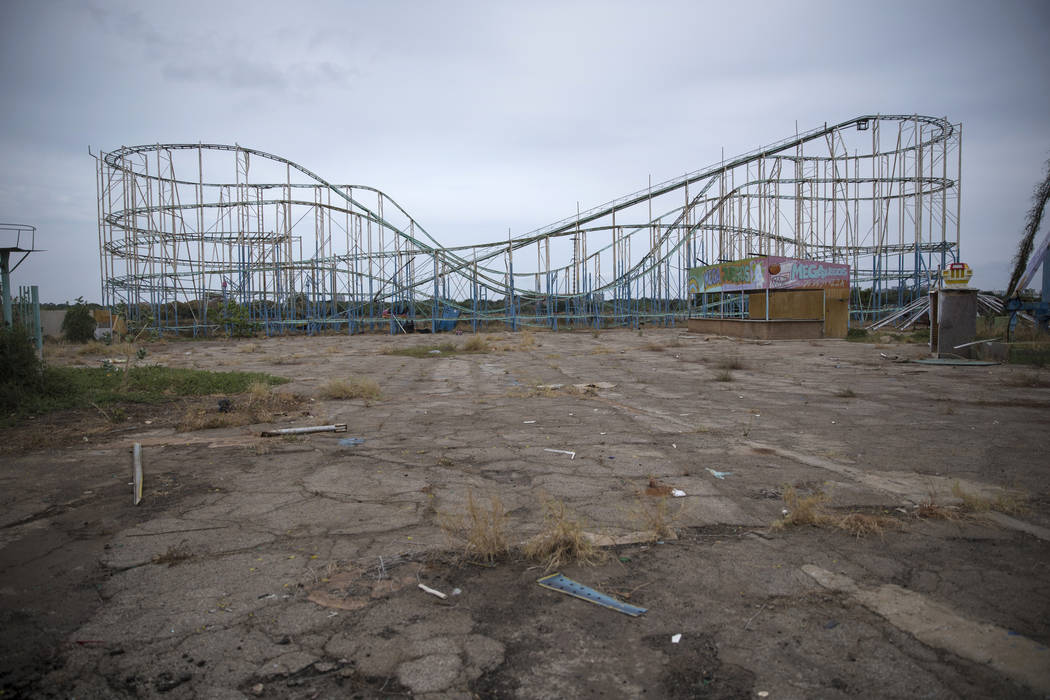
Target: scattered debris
x=675 y=638
x=357 y=588
x=655 y=488
x=456 y=591
x=677 y=493
x=432 y=591
x=752 y=618
x=593 y=386
x=352 y=441
x=718 y=474
x=225 y=405
x=557 y=582
x=337 y=428
x=528 y=422
x=572 y=455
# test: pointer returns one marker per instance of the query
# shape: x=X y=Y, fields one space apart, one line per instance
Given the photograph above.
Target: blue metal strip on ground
x=557 y=582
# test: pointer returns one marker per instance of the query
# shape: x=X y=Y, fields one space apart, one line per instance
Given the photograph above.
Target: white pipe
x=136 y=455
x=337 y=428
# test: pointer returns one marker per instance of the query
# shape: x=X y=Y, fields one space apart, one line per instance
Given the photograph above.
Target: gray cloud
x=482 y=116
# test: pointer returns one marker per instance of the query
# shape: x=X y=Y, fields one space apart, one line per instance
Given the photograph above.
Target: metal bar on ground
x=337 y=428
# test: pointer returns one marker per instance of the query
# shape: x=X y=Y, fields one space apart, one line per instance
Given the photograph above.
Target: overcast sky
x=483 y=116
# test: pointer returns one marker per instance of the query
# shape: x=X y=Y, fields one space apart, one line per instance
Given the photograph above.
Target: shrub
x=352 y=388
x=238 y=321
x=79 y=325
x=21 y=373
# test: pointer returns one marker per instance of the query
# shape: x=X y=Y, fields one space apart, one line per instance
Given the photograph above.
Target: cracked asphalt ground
x=288 y=567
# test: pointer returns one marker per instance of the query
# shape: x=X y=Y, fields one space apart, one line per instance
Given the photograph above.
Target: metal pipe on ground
x=337 y=428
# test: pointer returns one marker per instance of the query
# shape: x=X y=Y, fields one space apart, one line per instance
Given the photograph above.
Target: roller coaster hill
x=196 y=237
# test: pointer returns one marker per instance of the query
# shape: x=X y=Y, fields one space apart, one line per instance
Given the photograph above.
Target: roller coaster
x=182 y=243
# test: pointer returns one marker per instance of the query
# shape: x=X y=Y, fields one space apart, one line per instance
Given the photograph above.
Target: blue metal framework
x=285 y=249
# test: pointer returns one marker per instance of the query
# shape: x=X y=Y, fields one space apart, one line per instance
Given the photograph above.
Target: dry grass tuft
x=861 y=524
x=652 y=512
x=1003 y=503
x=258 y=405
x=655 y=347
x=248 y=347
x=526 y=340
x=928 y=510
x=724 y=376
x=259 y=392
x=351 y=388
x=562 y=541
x=93 y=347
x=475 y=344
x=804 y=510
x=480 y=532
x=846 y=393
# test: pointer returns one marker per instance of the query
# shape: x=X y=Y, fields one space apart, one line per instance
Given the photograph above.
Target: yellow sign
x=957 y=274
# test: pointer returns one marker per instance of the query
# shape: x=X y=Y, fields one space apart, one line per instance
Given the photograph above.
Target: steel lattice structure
x=179 y=239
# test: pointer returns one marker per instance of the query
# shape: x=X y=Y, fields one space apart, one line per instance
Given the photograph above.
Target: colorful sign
x=772 y=272
x=957 y=274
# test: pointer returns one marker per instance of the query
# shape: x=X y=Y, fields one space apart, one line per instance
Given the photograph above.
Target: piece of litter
x=677 y=493
x=434 y=352
x=572 y=455
x=718 y=474
x=456 y=591
x=675 y=638
x=557 y=582
x=431 y=591
x=332 y=614
x=763 y=693
x=351 y=442
x=528 y=422
x=337 y=428
x=674 y=445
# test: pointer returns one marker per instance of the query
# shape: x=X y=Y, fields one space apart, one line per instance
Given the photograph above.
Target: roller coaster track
x=172 y=242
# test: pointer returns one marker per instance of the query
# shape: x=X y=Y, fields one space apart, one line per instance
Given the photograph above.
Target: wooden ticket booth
x=770 y=297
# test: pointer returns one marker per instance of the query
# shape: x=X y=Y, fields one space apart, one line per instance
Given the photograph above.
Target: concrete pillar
x=954 y=321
